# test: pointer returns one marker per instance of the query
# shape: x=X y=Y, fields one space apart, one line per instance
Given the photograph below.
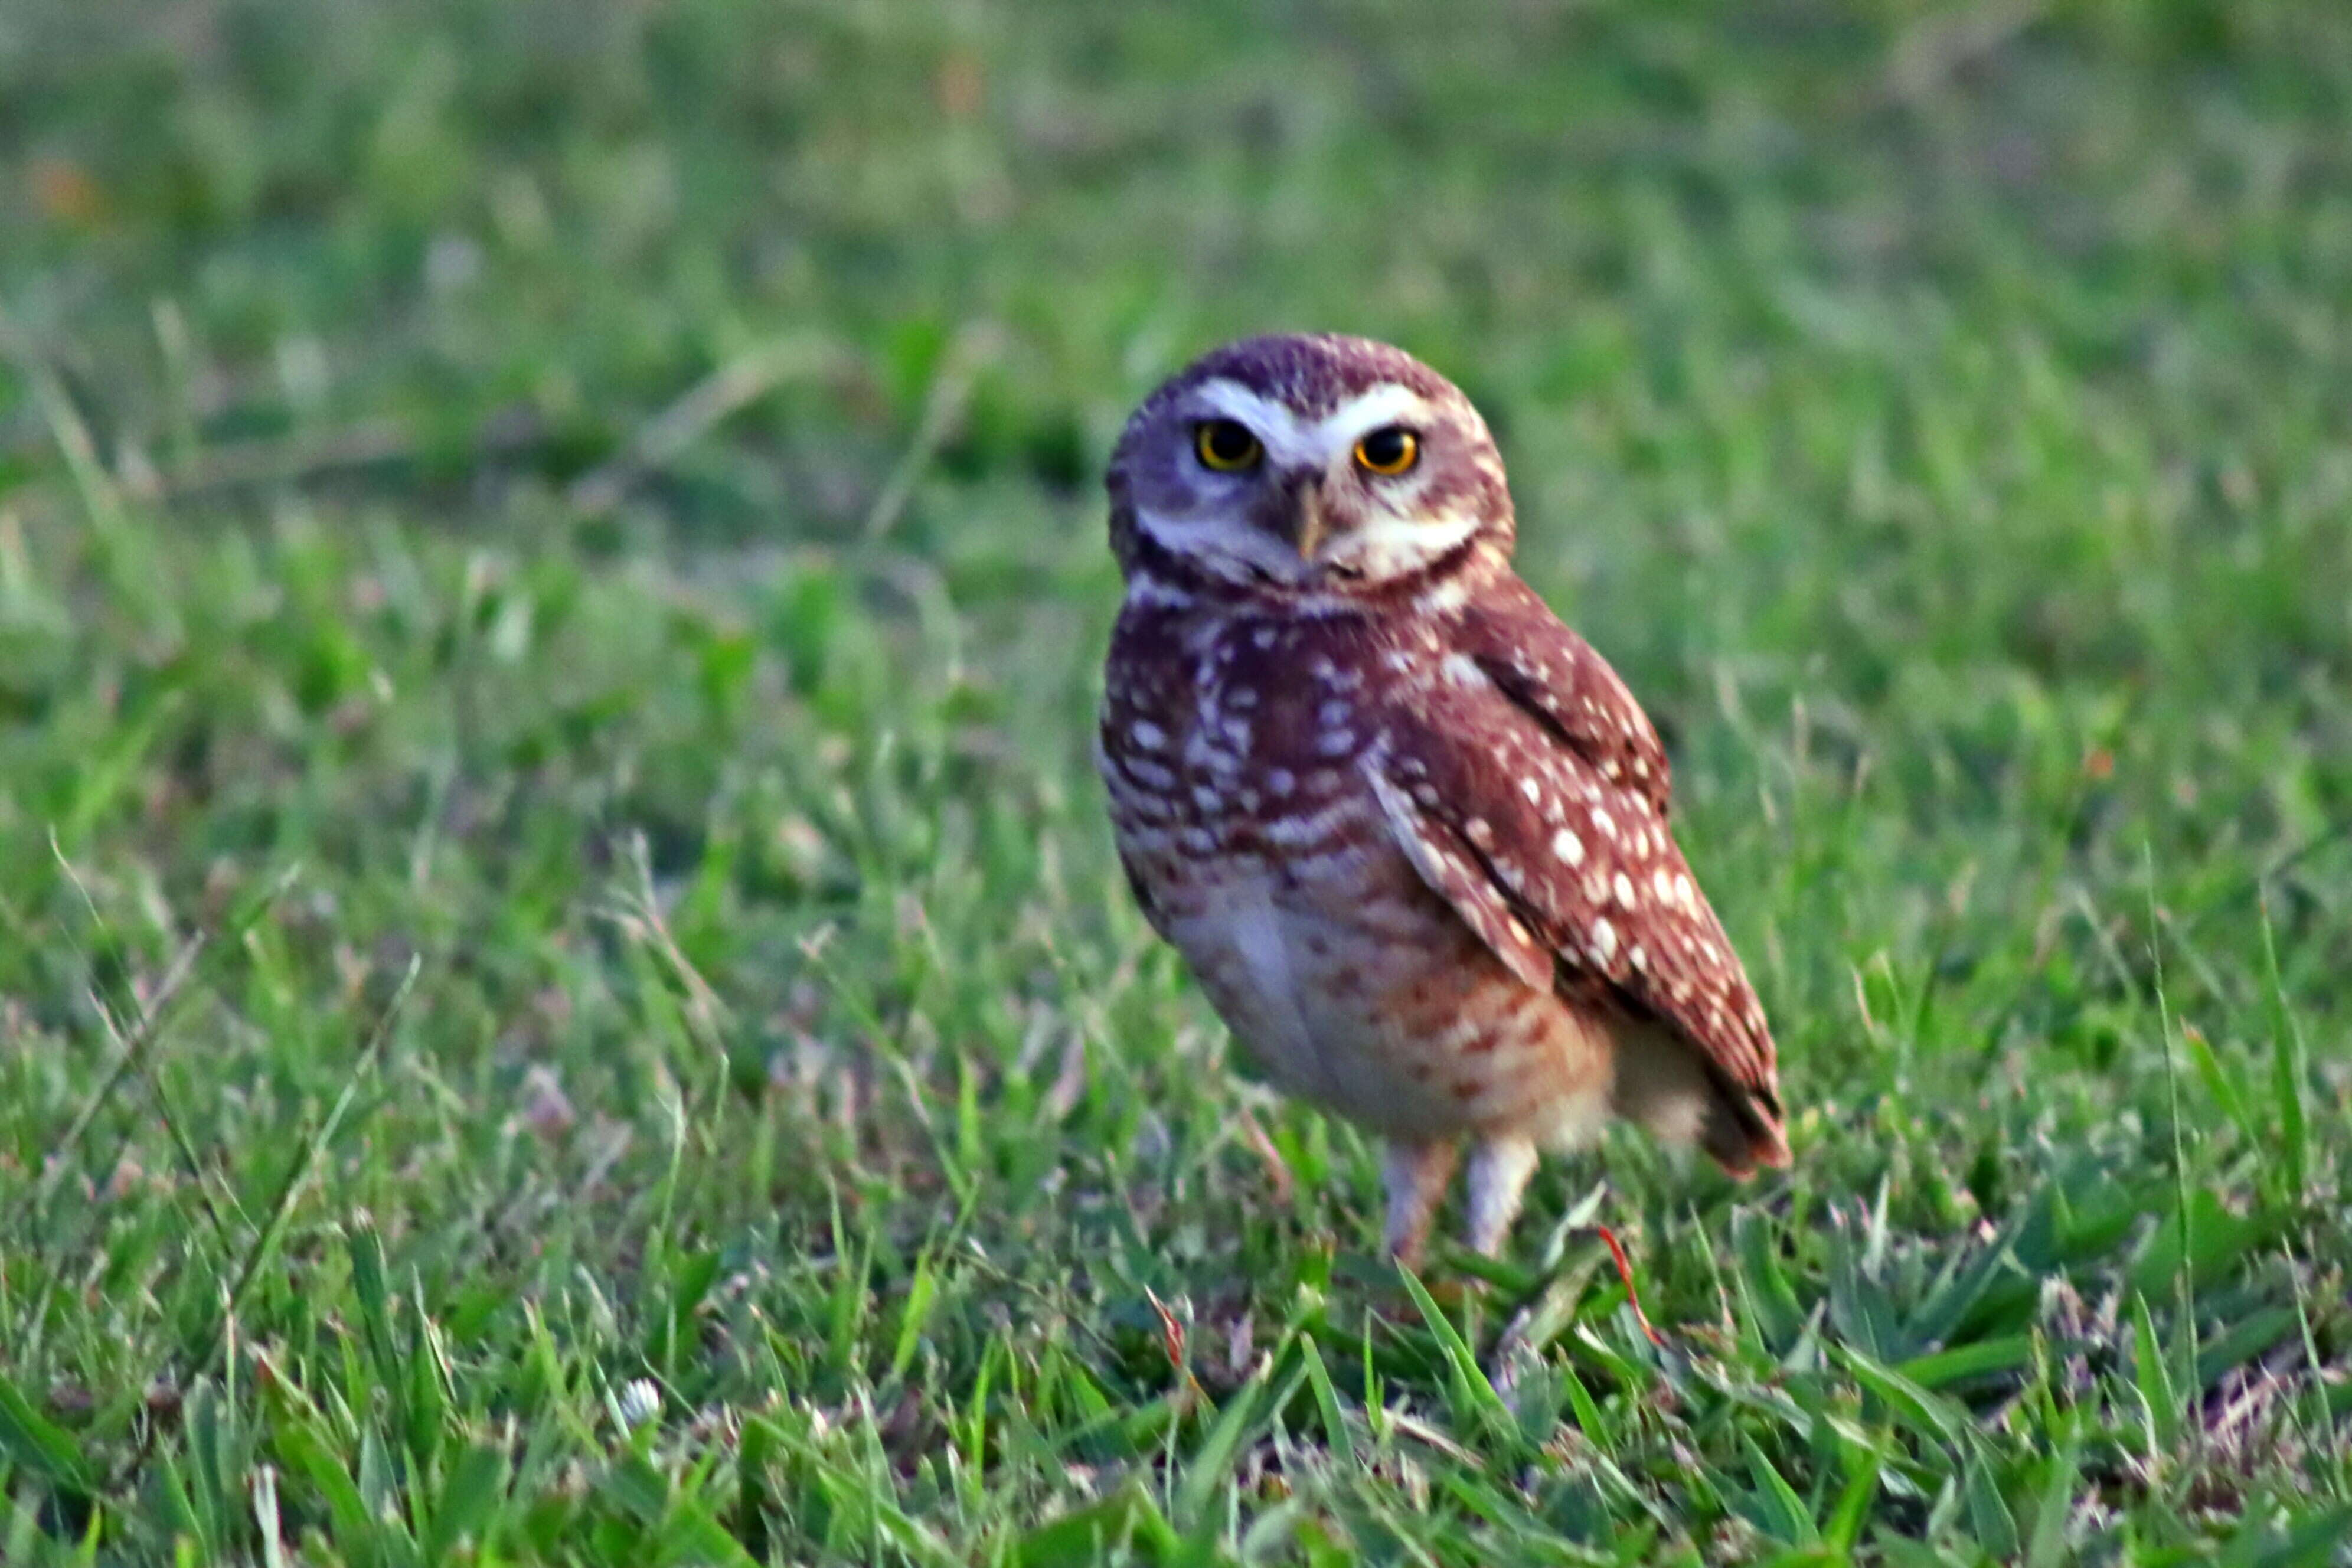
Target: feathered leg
x=1415 y=1175
x=1499 y=1169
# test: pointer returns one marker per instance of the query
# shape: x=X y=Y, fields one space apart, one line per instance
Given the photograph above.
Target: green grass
x=564 y=991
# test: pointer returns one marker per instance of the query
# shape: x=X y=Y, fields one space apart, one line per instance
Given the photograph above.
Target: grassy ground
x=562 y=989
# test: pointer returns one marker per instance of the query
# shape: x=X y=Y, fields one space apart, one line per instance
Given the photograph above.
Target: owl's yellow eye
x=1226 y=445
x=1388 y=451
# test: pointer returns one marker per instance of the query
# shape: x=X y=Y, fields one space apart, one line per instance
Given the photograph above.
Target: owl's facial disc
x=1270 y=497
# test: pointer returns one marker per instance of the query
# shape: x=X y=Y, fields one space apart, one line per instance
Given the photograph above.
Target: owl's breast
x=1260 y=851
x=1239 y=738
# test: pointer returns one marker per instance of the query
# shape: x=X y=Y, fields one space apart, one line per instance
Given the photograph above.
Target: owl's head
x=1292 y=466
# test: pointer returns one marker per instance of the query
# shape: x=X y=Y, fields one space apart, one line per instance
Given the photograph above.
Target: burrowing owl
x=1408 y=829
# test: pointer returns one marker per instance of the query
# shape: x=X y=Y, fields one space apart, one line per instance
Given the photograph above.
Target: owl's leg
x=1415 y=1175
x=1499 y=1169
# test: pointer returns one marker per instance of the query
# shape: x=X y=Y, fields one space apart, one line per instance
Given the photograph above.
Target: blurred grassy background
x=600 y=501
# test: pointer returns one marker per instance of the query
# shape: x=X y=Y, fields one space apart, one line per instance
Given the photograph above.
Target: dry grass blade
x=742 y=379
x=965 y=357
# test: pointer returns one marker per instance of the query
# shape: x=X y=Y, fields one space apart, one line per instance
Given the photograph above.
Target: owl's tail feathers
x=1683 y=1096
x=1741 y=1128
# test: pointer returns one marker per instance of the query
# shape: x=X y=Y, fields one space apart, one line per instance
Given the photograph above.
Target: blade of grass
x=2187 y=1288
x=39 y=1443
x=282 y=1205
x=1487 y=1403
x=1326 y=1401
x=2287 y=1072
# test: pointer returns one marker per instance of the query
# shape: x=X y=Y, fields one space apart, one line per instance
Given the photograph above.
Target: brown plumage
x=1409 y=830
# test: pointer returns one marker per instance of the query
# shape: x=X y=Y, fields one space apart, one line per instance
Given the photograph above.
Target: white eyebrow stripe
x=1295 y=444
x=1277 y=429
x=1391 y=403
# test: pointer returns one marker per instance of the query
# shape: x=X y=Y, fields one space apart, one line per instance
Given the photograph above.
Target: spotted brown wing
x=1531 y=794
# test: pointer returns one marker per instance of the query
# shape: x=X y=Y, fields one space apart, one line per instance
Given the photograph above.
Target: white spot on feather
x=1444 y=599
x=1462 y=671
x=1143 y=589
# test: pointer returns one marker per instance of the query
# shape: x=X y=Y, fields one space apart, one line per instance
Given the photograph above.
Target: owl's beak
x=1303 y=523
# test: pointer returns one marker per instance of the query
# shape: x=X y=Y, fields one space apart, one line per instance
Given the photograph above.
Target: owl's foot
x=1415 y=1175
x=1499 y=1169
